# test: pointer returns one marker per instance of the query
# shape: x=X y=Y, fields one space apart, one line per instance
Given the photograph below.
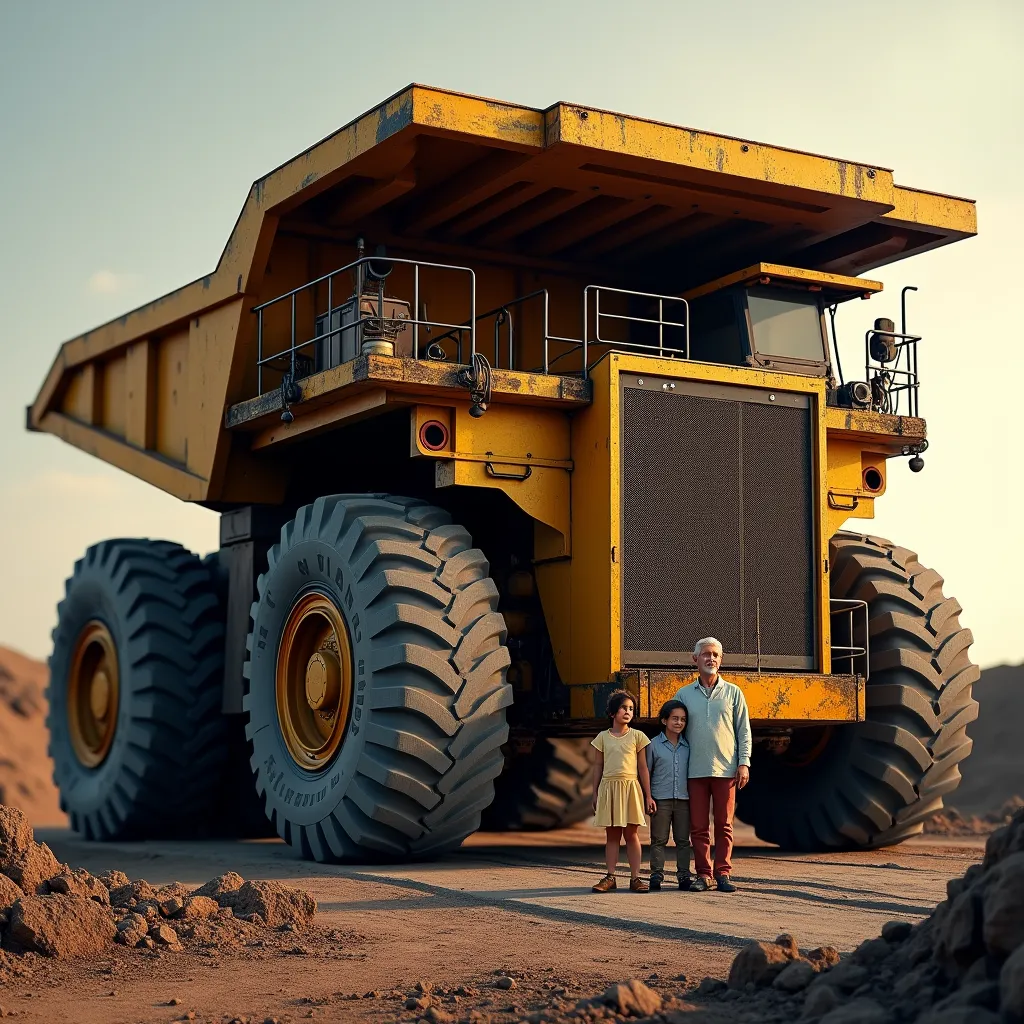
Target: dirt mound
x=994 y=772
x=953 y=823
x=26 y=771
x=962 y=965
x=52 y=910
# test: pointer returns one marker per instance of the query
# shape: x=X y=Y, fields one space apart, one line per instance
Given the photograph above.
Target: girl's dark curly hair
x=615 y=701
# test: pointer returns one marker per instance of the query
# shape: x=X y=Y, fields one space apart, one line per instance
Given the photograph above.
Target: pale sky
x=130 y=133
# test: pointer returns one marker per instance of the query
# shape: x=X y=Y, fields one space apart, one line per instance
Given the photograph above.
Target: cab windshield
x=785 y=327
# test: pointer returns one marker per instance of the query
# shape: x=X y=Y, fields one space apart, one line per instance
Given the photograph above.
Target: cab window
x=785 y=327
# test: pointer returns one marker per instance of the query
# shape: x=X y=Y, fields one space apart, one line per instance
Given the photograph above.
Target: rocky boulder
x=759 y=963
x=221 y=886
x=15 y=835
x=58 y=926
x=631 y=999
x=274 y=904
x=9 y=893
x=78 y=882
x=30 y=868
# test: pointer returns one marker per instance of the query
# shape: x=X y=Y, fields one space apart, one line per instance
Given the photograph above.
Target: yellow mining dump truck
x=502 y=408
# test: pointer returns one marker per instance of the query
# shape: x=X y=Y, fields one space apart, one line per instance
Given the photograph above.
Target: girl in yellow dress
x=622 y=789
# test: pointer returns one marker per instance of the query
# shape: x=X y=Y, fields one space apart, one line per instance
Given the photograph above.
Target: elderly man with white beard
x=718 y=732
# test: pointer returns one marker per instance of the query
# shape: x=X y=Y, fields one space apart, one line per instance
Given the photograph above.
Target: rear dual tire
x=875 y=783
x=551 y=786
x=136 y=734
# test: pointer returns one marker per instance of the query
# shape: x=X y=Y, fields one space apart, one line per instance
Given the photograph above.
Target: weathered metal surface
x=567 y=186
x=776 y=699
x=876 y=426
x=409 y=376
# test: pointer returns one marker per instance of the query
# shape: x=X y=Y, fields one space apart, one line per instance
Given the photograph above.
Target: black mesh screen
x=716 y=507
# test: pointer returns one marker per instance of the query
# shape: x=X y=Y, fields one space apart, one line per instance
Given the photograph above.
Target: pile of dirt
x=994 y=772
x=953 y=823
x=49 y=909
x=26 y=771
x=962 y=965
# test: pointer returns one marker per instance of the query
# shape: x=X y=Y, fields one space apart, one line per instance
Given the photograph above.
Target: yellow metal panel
x=482 y=118
x=211 y=348
x=543 y=495
x=876 y=426
x=345 y=410
x=114 y=396
x=83 y=396
x=172 y=397
x=773 y=698
x=585 y=585
x=717 y=154
x=920 y=209
x=140 y=397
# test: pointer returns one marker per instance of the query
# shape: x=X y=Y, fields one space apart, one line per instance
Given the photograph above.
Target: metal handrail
x=892 y=372
x=502 y=315
x=415 y=321
x=850 y=652
x=661 y=322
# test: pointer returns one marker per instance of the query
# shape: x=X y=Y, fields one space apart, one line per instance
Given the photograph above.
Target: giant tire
x=877 y=782
x=157 y=607
x=552 y=786
x=420 y=744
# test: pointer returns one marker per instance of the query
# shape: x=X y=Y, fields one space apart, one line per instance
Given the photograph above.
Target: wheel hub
x=314 y=681
x=92 y=694
x=323 y=680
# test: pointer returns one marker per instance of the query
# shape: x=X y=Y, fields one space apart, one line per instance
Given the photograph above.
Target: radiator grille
x=716 y=520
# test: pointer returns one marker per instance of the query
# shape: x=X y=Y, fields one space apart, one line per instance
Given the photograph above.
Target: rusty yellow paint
x=917 y=208
x=832 y=282
x=543 y=494
x=718 y=154
x=172 y=397
x=859 y=440
x=526 y=456
x=772 y=698
x=213 y=311
x=325 y=417
x=478 y=117
x=140 y=394
x=878 y=427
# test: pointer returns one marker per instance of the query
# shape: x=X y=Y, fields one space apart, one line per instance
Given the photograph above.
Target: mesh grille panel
x=777 y=530
x=716 y=514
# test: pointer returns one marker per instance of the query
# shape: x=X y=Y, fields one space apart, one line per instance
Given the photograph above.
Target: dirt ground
x=505 y=906
x=516 y=905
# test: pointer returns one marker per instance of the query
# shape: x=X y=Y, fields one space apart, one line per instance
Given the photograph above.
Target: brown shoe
x=638 y=885
x=607 y=884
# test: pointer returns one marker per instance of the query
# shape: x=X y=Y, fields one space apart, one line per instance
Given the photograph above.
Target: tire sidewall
x=89 y=598
x=299 y=796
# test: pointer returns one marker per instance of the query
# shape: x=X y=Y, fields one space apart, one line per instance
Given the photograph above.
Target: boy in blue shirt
x=668 y=760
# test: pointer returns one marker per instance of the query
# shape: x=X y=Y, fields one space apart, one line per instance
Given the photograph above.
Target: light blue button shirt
x=718 y=729
x=668 y=765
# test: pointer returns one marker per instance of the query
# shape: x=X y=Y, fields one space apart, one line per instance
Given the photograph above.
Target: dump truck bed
x=569 y=191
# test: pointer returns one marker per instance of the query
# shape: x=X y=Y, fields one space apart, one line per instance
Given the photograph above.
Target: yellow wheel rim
x=93 y=691
x=314 y=681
